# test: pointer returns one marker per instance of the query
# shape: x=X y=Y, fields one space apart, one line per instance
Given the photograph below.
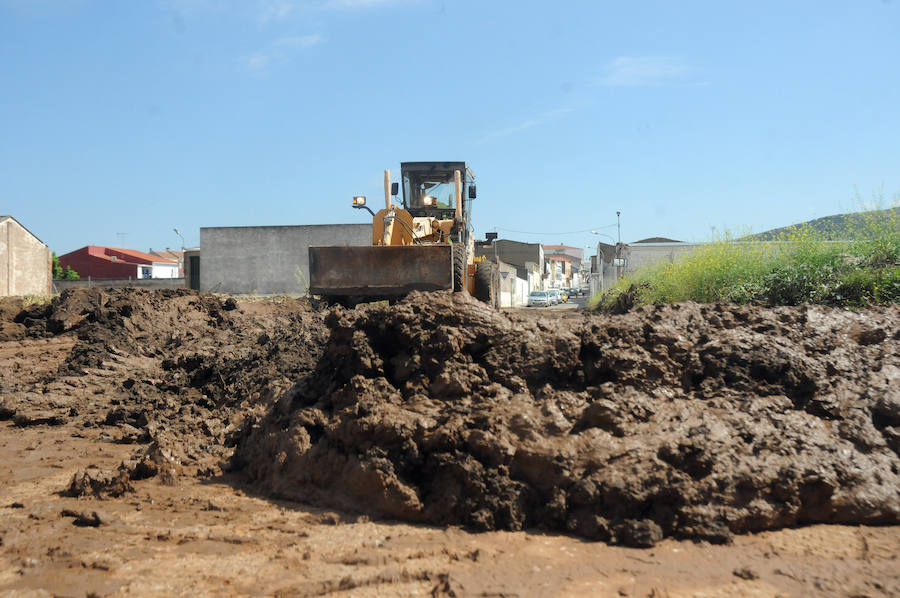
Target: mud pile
x=173 y=369
x=692 y=421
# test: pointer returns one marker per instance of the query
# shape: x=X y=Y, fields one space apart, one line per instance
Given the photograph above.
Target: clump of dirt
x=99 y=484
x=692 y=421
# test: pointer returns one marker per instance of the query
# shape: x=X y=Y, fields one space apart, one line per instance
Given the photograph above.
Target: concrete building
x=173 y=255
x=613 y=262
x=269 y=260
x=25 y=262
x=649 y=252
x=96 y=263
x=604 y=274
x=192 y=268
x=521 y=268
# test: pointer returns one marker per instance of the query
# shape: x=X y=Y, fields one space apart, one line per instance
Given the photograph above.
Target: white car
x=555 y=296
x=539 y=299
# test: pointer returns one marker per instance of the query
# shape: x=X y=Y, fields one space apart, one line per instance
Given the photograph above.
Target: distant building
x=521 y=267
x=192 y=268
x=604 y=273
x=97 y=262
x=651 y=251
x=173 y=255
x=563 y=265
x=25 y=262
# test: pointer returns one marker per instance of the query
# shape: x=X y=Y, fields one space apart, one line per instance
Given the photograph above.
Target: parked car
x=539 y=299
x=555 y=296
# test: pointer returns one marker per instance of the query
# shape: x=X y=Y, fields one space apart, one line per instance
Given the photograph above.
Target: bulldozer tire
x=459 y=267
x=485 y=282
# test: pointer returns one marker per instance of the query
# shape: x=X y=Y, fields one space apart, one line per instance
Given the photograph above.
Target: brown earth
x=153 y=443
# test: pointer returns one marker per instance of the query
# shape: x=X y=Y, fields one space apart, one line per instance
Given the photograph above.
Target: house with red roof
x=563 y=265
x=97 y=262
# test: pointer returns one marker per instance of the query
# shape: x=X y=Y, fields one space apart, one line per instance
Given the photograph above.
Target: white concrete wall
x=161 y=270
x=25 y=262
x=522 y=291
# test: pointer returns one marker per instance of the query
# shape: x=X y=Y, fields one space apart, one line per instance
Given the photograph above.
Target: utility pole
x=619 y=225
x=618 y=259
x=182 y=238
x=180 y=257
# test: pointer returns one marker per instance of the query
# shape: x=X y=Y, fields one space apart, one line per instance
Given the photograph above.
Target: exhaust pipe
x=457 y=180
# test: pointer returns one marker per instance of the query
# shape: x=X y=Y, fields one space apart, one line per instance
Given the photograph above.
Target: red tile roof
x=168 y=254
x=122 y=255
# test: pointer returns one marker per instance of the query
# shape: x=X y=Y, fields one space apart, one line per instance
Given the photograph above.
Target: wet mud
x=685 y=421
x=172 y=372
x=148 y=441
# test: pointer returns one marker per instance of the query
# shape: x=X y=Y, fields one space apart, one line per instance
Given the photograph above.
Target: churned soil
x=174 y=370
x=172 y=443
x=690 y=421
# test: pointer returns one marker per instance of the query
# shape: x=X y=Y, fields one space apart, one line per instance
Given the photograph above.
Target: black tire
x=459 y=267
x=485 y=282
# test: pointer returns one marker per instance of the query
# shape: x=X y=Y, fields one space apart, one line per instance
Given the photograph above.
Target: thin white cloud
x=257 y=62
x=634 y=71
x=263 y=11
x=526 y=124
x=279 y=51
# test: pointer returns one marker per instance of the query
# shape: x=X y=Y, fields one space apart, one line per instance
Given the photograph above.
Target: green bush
x=854 y=265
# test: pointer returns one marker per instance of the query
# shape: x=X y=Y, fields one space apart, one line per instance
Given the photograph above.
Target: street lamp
x=180 y=235
x=619 y=226
x=593 y=232
x=181 y=257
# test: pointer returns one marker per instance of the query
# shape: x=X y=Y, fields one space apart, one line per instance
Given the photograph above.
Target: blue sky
x=122 y=120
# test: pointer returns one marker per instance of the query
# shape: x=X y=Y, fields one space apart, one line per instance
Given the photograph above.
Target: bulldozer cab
x=429 y=190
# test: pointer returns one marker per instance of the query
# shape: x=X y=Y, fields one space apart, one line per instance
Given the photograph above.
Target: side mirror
x=359 y=201
x=395 y=189
x=471 y=191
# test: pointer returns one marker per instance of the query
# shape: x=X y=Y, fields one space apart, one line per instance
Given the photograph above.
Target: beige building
x=25 y=262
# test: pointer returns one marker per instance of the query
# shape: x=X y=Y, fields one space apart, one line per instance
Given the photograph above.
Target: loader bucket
x=379 y=271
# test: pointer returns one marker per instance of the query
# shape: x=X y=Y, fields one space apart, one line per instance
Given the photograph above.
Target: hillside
x=837 y=226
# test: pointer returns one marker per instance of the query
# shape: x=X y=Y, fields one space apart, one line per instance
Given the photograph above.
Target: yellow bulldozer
x=423 y=244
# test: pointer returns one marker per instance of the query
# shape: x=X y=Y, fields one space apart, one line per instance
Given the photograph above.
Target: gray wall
x=641 y=255
x=268 y=260
x=117 y=283
x=512 y=252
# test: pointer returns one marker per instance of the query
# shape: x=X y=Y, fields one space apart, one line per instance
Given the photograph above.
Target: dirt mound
x=693 y=421
x=171 y=368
